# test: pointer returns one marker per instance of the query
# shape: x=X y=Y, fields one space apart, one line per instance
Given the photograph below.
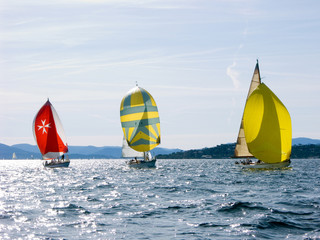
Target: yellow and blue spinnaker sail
x=267 y=126
x=140 y=120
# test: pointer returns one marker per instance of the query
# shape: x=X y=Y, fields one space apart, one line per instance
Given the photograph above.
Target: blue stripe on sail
x=146 y=98
x=141 y=123
x=146 y=131
x=127 y=101
x=154 y=126
x=138 y=109
x=134 y=133
x=143 y=142
x=127 y=132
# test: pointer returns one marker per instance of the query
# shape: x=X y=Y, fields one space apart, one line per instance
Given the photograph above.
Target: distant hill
x=302 y=148
x=6 y=152
x=305 y=141
x=27 y=147
x=305 y=151
x=218 y=152
x=227 y=150
x=299 y=150
x=27 y=151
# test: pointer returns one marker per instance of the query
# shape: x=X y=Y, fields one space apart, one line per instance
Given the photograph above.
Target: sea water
x=180 y=199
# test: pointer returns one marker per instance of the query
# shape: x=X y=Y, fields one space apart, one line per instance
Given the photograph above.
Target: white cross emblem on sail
x=44 y=126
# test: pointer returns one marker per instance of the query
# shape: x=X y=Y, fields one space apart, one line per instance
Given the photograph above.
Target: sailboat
x=265 y=131
x=141 y=127
x=50 y=138
x=14 y=156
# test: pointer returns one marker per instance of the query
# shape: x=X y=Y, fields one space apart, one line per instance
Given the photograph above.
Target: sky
x=195 y=57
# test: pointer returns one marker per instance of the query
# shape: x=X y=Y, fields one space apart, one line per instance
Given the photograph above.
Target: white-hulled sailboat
x=141 y=127
x=265 y=131
x=50 y=137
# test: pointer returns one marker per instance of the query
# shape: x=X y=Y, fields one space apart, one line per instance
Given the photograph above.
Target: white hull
x=142 y=163
x=266 y=165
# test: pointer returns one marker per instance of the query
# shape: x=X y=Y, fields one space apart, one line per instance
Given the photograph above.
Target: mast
x=241 y=149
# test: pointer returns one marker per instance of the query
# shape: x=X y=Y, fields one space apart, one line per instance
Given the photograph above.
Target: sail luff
x=241 y=149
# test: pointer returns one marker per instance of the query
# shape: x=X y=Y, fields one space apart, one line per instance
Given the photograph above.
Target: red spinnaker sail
x=48 y=132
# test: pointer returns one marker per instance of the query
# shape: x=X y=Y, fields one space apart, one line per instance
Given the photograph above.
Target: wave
x=104 y=186
x=280 y=222
x=163 y=211
x=213 y=225
x=179 y=208
x=170 y=189
x=239 y=206
x=298 y=213
x=4 y=216
x=93 y=199
x=72 y=208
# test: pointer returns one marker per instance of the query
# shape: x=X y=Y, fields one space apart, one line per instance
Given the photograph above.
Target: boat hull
x=57 y=165
x=266 y=165
x=142 y=164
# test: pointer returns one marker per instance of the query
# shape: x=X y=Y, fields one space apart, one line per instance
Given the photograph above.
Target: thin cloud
x=159 y=4
x=196 y=90
x=234 y=75
x=150 y=58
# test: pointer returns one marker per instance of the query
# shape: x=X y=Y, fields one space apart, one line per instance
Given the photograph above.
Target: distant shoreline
x=222 y=151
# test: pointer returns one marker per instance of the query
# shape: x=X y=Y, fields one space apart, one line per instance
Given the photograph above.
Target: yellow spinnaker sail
x=267 y=126
x=140 y=120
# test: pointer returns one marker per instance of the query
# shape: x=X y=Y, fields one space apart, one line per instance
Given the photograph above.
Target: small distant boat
x=14 y=156
x=265 y=131
x=49 y=135
x=141 y=127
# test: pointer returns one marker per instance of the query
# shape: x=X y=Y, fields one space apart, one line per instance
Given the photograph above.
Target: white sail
x=147 y=156
x=128 y=152
x=14 y=156
x=241 y=149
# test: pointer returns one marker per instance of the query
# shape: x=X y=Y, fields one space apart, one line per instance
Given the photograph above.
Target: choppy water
x=181 y=199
